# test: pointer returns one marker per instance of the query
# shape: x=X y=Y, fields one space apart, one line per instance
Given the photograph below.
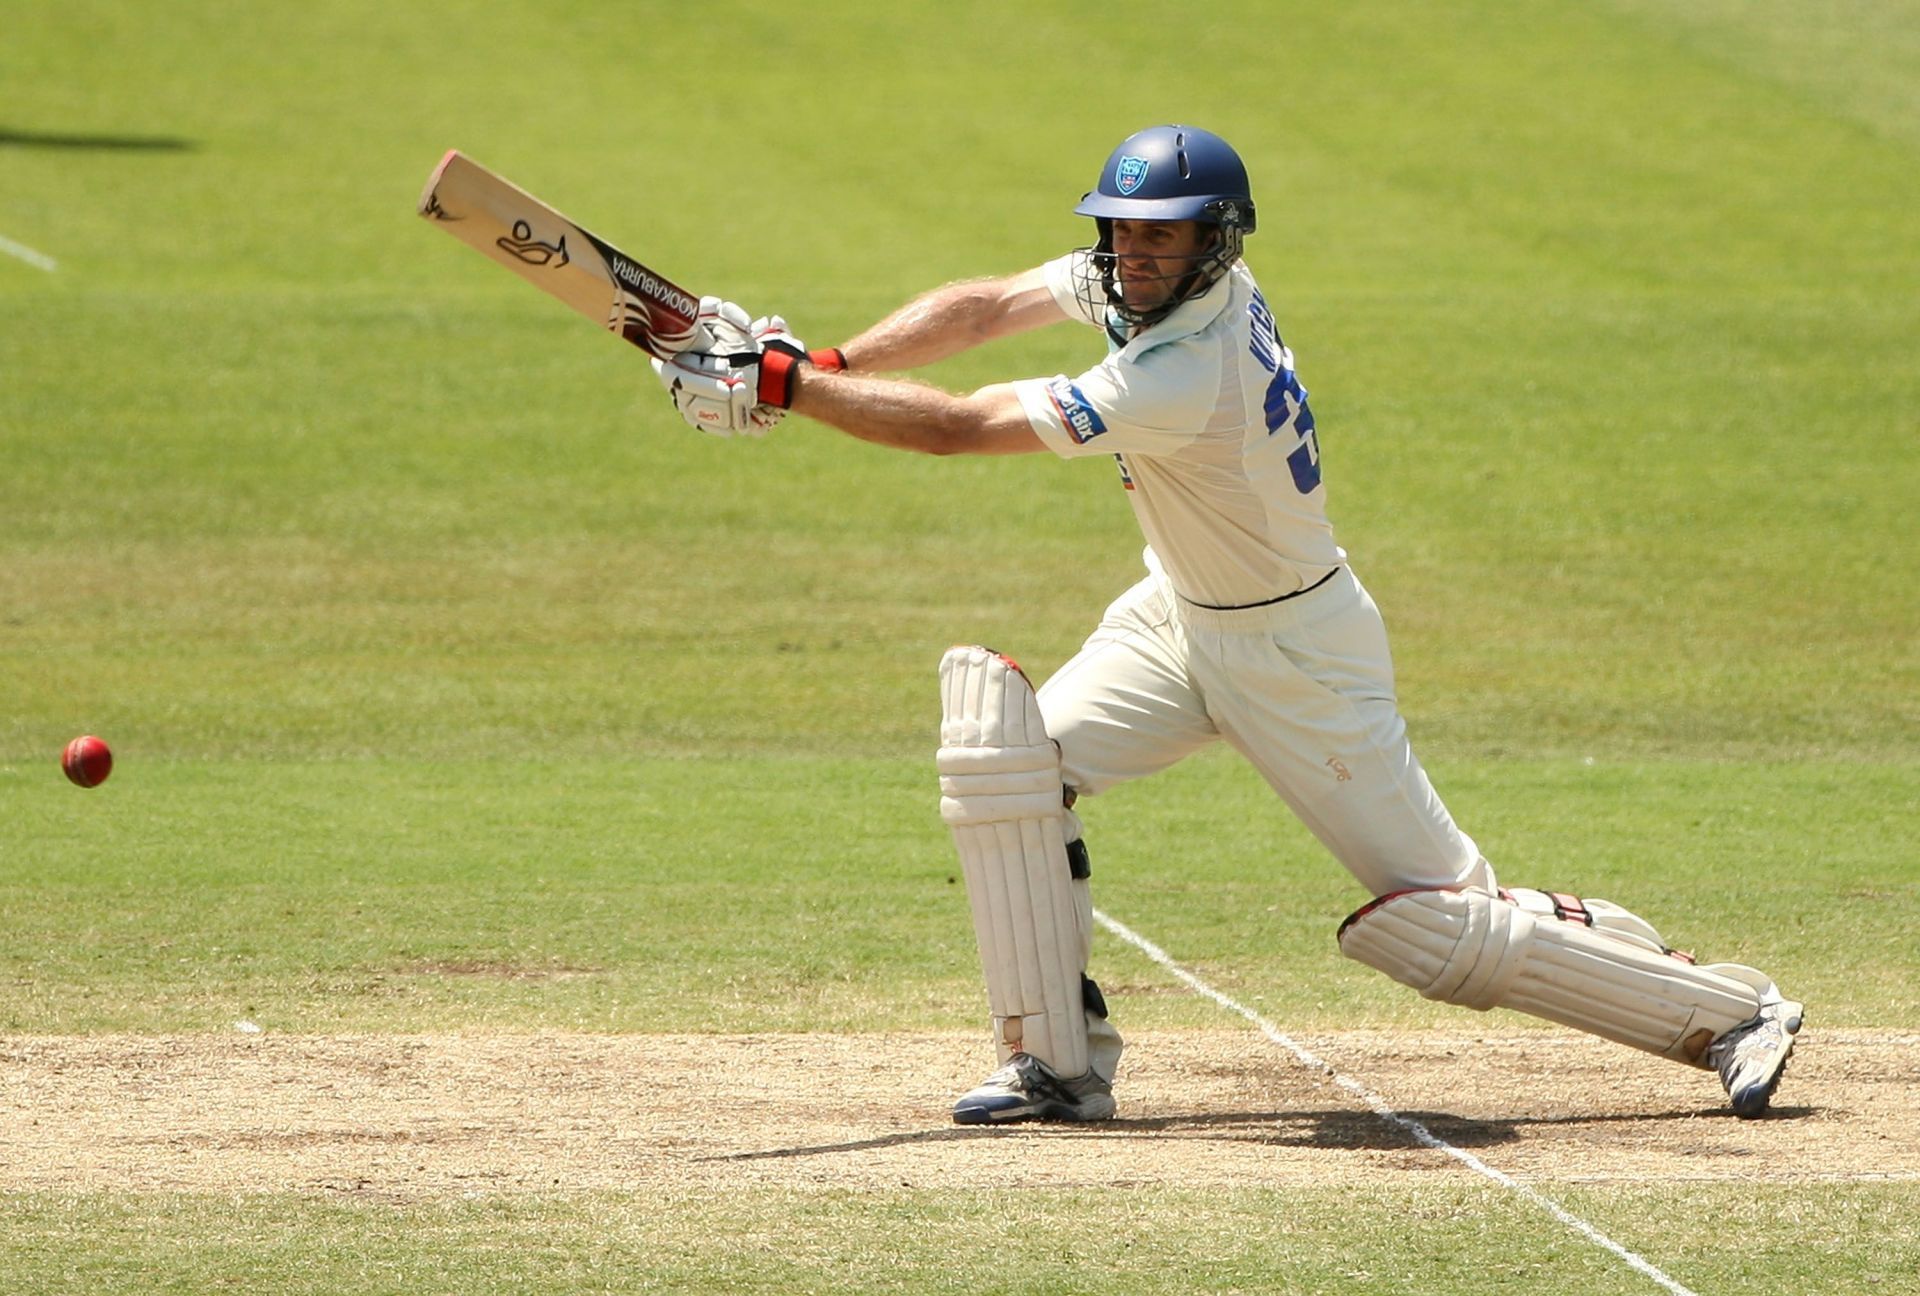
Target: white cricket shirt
x=1214 y=438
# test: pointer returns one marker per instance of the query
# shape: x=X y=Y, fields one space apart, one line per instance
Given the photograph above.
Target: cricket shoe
x=1752 y=1056
x=1027 y=1089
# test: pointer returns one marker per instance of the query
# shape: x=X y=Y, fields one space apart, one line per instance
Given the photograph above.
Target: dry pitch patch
x=423 y=1116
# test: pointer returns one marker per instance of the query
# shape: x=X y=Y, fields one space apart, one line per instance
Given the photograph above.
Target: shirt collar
x=1189 y=317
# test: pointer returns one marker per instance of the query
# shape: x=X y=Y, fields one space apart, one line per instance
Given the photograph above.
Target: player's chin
x=1142 y=295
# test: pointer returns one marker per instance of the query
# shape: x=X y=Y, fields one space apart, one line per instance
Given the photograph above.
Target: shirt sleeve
x=1157 y=403
x=1064 y=276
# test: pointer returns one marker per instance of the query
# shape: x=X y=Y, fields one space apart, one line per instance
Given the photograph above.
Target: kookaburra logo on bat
x=531 y=250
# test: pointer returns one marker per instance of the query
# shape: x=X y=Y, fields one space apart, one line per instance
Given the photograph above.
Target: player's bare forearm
x=949 y=320
x=914 y=416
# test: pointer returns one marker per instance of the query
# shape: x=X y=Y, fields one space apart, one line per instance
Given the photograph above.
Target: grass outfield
x=1149 y=1241
x=457 y=688
x=645 y=895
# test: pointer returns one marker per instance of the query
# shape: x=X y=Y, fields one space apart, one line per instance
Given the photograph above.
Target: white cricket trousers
x=1302 y=688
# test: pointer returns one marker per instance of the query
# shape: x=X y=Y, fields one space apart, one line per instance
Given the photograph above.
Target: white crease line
x=38 y=260
x=1420 y=1133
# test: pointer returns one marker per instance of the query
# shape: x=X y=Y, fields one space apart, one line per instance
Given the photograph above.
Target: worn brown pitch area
x=423 y=1116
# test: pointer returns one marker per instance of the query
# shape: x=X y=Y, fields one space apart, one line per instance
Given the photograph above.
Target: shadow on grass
x=10 y=137
x=1342 y=1130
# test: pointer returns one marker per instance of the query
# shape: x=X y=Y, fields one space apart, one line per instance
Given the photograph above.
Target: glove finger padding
x=773 y=325
x=710 y=393
x=727 y=331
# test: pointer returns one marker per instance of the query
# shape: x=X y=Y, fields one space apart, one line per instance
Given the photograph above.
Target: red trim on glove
x=778 y=369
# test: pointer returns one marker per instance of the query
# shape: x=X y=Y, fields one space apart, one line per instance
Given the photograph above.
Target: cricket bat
x=558 y=257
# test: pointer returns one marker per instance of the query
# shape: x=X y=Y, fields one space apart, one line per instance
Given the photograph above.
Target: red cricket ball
x=87 y=761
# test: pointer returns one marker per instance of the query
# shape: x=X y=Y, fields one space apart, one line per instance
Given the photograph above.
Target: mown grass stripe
x=38 y=260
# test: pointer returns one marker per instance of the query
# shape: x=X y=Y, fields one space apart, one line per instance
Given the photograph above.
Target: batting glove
x=709 y=393
x=712 y=381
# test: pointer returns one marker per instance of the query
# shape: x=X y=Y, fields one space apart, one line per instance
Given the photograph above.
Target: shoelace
x=1025 y=1074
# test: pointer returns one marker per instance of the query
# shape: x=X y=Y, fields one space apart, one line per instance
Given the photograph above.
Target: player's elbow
x=942 y=425
x=991 y=421
x=984 y=307
x=955 y=435
x=998 y=308
x=956 y=425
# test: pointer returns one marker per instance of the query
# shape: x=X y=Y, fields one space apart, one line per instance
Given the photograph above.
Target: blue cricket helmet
x=1166 y=173
x=1173 y=173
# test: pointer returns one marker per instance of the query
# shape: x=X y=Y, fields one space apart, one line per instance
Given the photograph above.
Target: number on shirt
x=1286 y=404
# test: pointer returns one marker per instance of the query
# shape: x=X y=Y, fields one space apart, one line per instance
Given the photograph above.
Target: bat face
x=518 y=231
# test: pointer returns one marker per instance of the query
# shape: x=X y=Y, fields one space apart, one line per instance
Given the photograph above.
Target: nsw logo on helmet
x=1130 y=174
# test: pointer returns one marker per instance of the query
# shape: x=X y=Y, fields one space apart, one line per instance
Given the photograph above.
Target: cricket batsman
x=1249 y=626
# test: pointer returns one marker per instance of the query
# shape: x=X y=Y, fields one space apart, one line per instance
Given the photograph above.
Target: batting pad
x=1000 y=794
x=1592 y=966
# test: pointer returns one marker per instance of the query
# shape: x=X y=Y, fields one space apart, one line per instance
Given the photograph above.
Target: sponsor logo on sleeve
x=1081 y=422
x=1129 y=175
